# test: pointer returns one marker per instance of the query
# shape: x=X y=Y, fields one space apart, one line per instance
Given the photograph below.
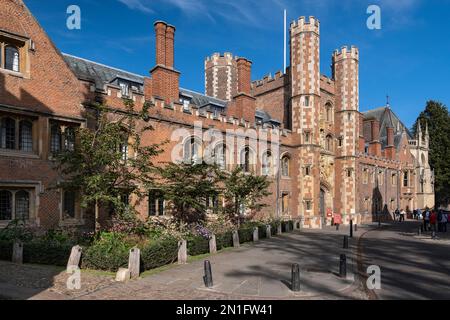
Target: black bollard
x=337 y=227
x=295 y=282
x=343 y=266
x=356 y=227
x=351 y=228
x=345 y=242
x=208 y=275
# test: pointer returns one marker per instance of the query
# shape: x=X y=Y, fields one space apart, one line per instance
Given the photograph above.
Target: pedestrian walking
x=444 y=221
x=426 y=220
x=402 y=215
x=397 y=215
x=433 y=220
x=419 y=214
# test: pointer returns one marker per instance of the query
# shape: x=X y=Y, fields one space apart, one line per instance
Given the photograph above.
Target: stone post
x=17 y=256
x=255 y=234
x=182 y=252
x=134 y=262
x=279 y=229
x=268 y=232
x=236 y=243
x=75 y=257
x=212 y=244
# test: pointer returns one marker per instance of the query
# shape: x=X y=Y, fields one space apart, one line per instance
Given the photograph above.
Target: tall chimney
x=244 y=75
x=375 y=144
x=160 y=32
x=390 y=148
x=165 y=79
x=170 y=39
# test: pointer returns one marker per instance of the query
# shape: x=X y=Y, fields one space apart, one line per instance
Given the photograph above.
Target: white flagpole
x=285 y=50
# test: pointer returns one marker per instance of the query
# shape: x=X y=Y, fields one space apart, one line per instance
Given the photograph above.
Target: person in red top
x=433 y=220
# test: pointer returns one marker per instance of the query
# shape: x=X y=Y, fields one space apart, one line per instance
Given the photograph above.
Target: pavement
x=260 y=270
x=412 y=266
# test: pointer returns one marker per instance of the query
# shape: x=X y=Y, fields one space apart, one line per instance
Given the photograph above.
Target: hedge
x=224 y=240
x=6 y=248
x=97 y=258
x=245 y=235
x=197 y=246
x=50 y=253
x=159 y=253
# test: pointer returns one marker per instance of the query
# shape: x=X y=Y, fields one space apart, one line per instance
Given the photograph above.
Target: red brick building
x=302 y=129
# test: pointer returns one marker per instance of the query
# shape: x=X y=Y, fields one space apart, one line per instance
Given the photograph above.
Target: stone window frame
x=19 y=120
x=23 y=45
x=365 y=175
x=285 y=158
x=78 y=218
x=159 y=206
x=307 y=170
x=267 y=168
x=192 y=141
x=307 y=136
x=62 y=129
x=249 y=163
x=309 y=204
x=329 y=112
x=33 y=189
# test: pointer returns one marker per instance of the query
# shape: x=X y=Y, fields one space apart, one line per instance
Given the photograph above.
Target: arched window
x=55 y=139
x=192 y=151
x=285 y=163
x=220 y=152
x=247 y=160
x=22 y=205
x=12 y=58
x=329 y=143
x=266 y=163
x=25 y=136
x=8 y=133
x=5 y=205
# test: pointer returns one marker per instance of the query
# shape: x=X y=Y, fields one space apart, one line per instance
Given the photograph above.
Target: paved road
x=412 y=267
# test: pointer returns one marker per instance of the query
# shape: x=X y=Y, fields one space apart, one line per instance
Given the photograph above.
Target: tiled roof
x=388 y=118
x=102 y=75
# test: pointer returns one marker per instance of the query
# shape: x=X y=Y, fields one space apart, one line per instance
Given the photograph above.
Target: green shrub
x=262 y=231
x=159 y=253
x=245 y=235
x=224 y=240
x=197 y=246
x=109 y=252
x=42 y=251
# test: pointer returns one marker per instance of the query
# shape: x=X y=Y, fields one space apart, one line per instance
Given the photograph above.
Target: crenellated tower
x=345 y=66
x=305 y=82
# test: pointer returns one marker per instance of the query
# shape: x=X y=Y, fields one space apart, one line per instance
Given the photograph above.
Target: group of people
x=433 y=220
x=399 y=215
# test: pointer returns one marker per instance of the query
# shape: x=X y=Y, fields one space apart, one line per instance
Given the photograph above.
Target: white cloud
x=137 y=5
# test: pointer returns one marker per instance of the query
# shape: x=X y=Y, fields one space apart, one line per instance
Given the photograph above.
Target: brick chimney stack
x=244 y=75
x=165 y=79
x=243 y=105
x=375 y=144
x=160 y=32
x=170 y=45
x=390 y=148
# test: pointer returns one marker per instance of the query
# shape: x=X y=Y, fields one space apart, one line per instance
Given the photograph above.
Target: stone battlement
x=303 y=25
x=346 y=53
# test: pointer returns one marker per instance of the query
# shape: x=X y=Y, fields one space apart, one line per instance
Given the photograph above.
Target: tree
x=437 y=117
x=243 y=192
x=187 y=187
x=109 y=160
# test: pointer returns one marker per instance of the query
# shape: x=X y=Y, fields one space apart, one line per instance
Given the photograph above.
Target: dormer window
x=124 y=89
x=186 y=104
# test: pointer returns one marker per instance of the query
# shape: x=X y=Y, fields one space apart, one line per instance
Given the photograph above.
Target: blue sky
x=407 y=59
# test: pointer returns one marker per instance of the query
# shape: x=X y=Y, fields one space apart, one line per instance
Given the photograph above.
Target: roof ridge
x=103 y=65
x=202 y=94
